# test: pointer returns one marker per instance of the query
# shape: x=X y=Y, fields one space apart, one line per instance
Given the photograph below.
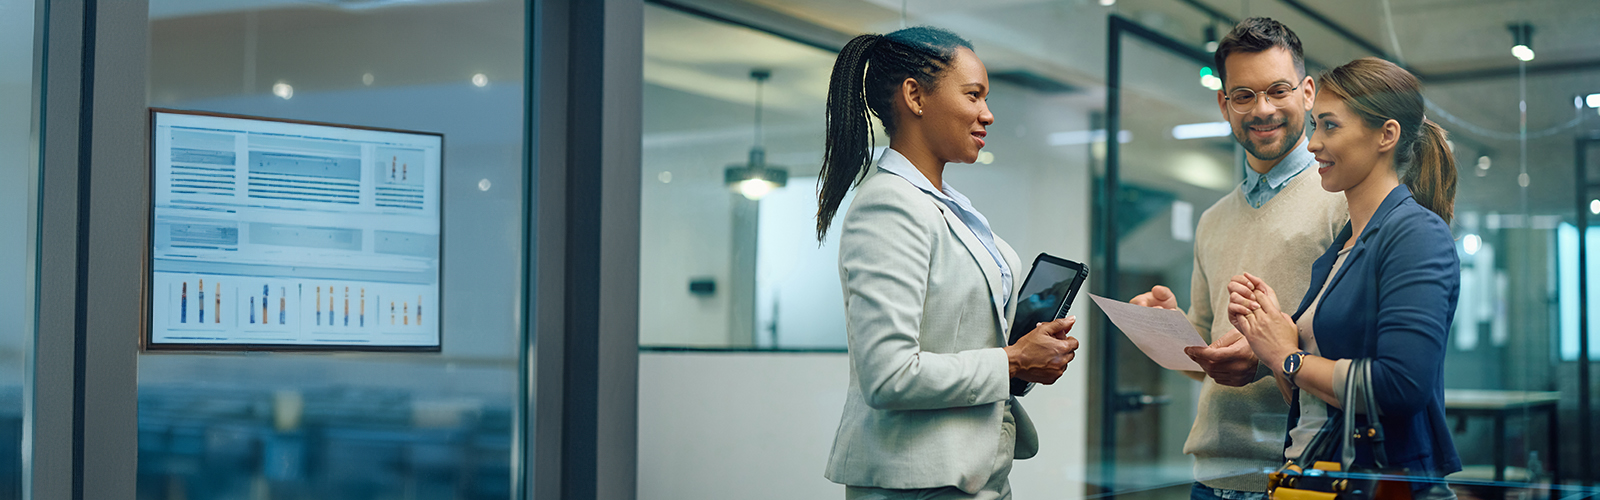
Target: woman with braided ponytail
x=1385 y=290
x=928 y=286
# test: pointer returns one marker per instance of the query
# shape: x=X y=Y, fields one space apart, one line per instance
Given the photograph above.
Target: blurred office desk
x=1468 y=403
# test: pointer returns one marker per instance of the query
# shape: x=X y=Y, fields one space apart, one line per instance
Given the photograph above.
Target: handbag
x=1331 y=477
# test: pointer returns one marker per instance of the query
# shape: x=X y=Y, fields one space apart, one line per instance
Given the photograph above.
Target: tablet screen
x=1041 y=296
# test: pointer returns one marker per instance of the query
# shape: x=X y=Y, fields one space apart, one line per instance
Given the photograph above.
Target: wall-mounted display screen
x=270 y=234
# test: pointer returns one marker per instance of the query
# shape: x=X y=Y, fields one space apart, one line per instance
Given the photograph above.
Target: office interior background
x=726 y=374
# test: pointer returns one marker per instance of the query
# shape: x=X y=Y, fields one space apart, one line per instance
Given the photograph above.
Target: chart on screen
x=271 y=234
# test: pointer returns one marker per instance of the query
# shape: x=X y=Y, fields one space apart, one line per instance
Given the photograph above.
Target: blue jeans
x=1203 y=492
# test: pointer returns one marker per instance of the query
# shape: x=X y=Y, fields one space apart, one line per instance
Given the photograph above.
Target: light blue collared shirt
x=1259 y=189
x=895 y=163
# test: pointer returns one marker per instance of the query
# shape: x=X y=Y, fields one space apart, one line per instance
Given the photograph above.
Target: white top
x=1314 y=411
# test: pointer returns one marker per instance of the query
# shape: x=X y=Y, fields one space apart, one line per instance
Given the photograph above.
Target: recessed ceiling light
x=1202 y=130
x=1077 y=137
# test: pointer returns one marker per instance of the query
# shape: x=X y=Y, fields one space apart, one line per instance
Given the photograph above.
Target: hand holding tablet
x=1046 y=295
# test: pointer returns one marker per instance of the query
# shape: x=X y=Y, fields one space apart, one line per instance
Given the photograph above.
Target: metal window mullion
x=1585 y=475
x=81 y=420
x=48 y=393
x=545 y=217
x=586 y=60
x=118 y=246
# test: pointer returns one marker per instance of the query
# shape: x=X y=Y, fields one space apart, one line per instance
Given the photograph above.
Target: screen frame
x=146 y=338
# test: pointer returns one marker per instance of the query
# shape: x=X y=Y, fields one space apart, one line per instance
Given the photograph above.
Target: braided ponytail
x=850 y=141
x=866 y=78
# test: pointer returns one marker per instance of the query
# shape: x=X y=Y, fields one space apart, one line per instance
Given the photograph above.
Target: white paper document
x=1160 y=333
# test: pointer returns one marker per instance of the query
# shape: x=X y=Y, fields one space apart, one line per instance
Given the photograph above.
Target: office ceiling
x=1460 y=47
x=204 y=49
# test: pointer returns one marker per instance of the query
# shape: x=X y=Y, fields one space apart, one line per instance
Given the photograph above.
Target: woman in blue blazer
x=1386 y=289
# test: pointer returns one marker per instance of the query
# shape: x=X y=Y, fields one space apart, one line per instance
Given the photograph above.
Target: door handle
x=1135 y=401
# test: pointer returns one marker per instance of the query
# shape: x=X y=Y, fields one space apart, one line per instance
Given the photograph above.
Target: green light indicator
x=1205 y=71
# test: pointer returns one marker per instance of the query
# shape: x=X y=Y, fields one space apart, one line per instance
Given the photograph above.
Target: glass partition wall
x=730 y=269
x=722 y=271
x=1517 y=399
x=20 y=71
x=728 y=282
x=1516 y=387
x=715 y=263
x=1173 y=159
x=367 y=425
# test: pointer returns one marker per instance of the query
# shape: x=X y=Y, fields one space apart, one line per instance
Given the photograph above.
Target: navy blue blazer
x=1392 y=301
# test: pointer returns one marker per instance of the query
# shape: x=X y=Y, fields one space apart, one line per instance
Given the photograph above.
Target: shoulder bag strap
x=1380 y=458
x=1360 y=380
x=1351 y=385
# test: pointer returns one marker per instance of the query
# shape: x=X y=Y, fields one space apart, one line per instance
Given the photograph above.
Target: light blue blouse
x=895 y=163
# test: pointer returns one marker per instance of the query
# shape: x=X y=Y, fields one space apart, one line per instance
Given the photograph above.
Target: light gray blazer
x=928 y=381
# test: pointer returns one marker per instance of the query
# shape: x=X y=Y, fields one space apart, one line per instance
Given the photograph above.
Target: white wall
x=760 y=425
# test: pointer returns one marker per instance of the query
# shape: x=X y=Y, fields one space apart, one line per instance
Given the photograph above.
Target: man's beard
x=1293 y=130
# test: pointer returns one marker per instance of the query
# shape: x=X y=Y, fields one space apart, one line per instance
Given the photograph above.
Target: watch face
x=1291 y=364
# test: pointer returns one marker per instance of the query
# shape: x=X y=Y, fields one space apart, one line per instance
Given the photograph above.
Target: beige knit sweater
x=1238 y=431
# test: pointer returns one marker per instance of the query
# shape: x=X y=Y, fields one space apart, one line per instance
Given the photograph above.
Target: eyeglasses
x=1242 y=100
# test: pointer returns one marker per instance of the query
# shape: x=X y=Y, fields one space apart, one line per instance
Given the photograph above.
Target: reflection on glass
x=727 y=261
x=18 y=193
x=352 y=425
x=1515 y=330
x=1567 y=263
x=1180 y=161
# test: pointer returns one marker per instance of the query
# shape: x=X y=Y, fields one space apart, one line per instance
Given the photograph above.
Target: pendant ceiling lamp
x=754 y=179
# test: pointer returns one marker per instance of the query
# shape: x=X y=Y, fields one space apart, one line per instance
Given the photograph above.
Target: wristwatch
x=1291 y=364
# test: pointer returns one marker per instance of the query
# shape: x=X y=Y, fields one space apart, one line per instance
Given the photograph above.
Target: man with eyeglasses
x=1274 y=225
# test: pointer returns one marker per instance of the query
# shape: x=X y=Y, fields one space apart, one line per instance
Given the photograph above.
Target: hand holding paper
x=1228 y=360
x=1161 y=333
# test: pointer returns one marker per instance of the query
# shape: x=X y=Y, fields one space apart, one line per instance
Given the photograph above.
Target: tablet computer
x=1045 y=296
